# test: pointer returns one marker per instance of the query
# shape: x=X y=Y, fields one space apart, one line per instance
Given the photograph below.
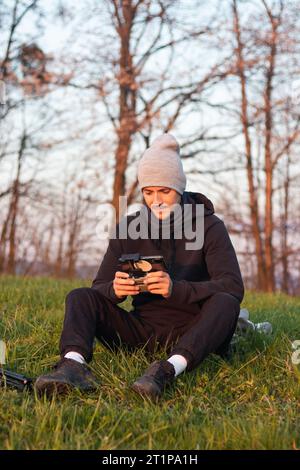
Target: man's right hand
x=124 y=285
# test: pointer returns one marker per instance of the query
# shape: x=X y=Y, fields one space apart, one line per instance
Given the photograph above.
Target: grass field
x=248 y=402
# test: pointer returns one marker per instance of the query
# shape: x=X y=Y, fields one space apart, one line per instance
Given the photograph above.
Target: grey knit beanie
x=160 y=165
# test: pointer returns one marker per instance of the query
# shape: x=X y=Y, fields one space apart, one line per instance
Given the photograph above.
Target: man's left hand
x=159 y=282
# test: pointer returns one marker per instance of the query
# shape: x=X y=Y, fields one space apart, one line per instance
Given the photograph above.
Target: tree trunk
x=127 y=102
x=284 y=231
x=269 y=228
x=253 y=203
x=11 y=262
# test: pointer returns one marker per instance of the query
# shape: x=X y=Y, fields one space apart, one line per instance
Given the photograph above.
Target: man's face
x=160 y=200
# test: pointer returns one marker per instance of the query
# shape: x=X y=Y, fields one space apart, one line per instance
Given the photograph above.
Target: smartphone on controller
x=137 y=266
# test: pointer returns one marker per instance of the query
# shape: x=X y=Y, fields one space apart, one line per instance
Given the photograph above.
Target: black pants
x=88 y=314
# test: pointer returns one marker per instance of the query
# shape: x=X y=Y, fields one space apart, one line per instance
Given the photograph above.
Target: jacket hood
x=194 y=198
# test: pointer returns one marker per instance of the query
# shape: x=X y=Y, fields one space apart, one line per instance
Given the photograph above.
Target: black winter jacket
x=196 y=274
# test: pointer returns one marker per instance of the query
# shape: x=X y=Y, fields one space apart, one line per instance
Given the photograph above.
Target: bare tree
x=259 y=53
x=139 y=99
x=25 y=70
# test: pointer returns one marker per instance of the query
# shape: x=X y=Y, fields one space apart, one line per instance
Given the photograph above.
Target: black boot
x=155 y=379
x=67 y=374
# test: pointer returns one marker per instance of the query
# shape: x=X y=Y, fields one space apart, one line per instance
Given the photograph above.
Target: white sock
x=179 y=363
x=75 y=356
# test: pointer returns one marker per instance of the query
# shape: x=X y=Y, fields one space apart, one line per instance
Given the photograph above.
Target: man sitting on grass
x=191 y=310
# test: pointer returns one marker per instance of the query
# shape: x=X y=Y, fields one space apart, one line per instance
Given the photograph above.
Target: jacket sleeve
x=222 y=266
x=103 y=281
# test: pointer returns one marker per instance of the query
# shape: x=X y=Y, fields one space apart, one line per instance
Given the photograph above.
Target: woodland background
x=86 y=86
